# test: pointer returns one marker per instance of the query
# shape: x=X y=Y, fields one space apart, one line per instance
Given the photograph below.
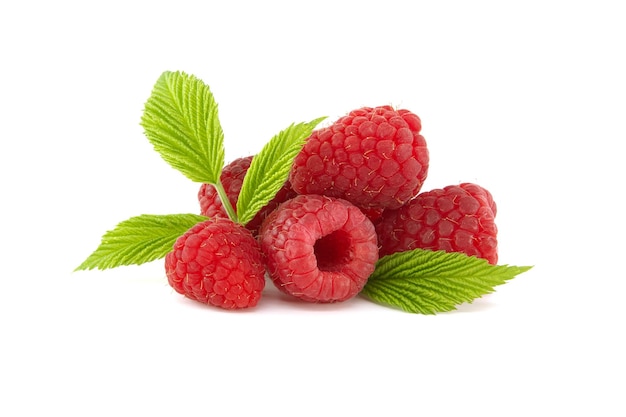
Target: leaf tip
x=317 y=121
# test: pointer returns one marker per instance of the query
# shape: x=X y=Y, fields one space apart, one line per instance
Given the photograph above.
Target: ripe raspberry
x=373 y=157
x=457 y=218
x=232 y=178
x=217 y=262
x=319 y=249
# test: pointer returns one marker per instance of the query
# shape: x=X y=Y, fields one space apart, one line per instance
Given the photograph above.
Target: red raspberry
x=232 y=178
x=373 y=157
x=457 y=218
x=319 y=249
x=217 y=262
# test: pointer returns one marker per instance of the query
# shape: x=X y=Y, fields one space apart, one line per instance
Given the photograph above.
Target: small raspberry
x=372 y=157
x=232 y=178
x=319 y=249
x=217 y=262
x=457 y=218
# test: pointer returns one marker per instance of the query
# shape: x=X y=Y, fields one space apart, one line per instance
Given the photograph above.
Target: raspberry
x=457 y=218
x=232 y=178
x=217 y=262
x=318 y=248
x=372 y=157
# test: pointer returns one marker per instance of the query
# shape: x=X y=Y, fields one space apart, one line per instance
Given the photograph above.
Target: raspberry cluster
x=354 y=194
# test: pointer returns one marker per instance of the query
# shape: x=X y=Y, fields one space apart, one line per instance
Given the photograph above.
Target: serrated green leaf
x=181 y=121
x=270 y=168
x=139 y=240
x=429 y=282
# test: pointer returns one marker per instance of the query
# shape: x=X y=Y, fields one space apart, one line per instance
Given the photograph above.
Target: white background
x=525 y=99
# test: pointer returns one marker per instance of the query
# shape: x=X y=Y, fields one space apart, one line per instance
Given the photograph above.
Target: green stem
x=232 y=214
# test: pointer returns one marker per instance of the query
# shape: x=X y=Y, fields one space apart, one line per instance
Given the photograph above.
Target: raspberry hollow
x=319 y=249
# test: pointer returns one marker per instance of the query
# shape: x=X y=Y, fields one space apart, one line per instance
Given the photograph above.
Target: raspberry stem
x=232 y=214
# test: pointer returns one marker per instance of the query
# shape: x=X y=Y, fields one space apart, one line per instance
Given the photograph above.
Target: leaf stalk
x=221 y=192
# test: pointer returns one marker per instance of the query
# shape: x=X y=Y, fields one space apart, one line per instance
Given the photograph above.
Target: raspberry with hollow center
x=372 y=157
x=457 y=218
x=217 y=262
x=232 y=178
x=318 y=248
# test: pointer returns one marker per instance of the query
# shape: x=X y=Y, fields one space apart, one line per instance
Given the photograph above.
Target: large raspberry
x=373 y=157
x=457 y=218
x=217 y=262
x=319 y=249
x=232 y=178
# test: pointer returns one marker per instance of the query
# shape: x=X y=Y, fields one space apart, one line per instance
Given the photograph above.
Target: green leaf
x=270 y=168
x=428 y=282
x=139 y=240
x=181 y=121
